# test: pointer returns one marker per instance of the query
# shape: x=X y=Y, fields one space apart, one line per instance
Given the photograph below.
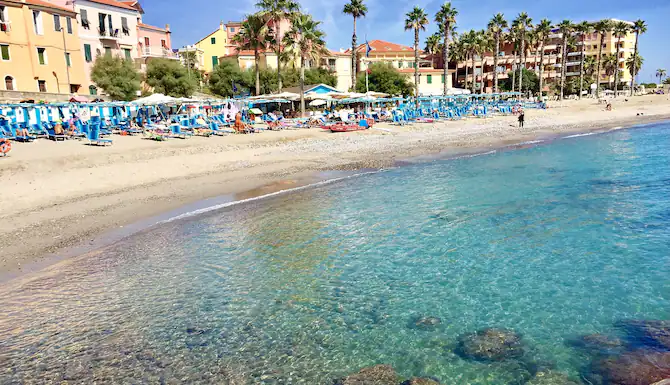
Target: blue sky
x=193 y=19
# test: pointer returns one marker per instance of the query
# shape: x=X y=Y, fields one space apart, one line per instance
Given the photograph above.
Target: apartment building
x=39 y=46
x=401 y=57
x=552 y=61
x=153 y=42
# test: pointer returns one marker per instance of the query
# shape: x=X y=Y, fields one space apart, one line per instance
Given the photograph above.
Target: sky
x=192 y=20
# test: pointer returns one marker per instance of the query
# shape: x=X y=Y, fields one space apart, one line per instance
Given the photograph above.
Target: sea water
x=553 y=241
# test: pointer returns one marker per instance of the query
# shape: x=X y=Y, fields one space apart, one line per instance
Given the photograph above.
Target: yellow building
x=213 y=46
x=40 y=48
x=626 y=50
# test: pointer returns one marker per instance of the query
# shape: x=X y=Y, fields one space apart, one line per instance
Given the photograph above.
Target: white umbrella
x=317 y=102
x=156 y=99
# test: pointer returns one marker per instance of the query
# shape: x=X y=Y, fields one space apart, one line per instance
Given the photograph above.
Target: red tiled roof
x=114 y=3
x=45 y=4
x=338 y=53
x=147 y=26
x=383 y=46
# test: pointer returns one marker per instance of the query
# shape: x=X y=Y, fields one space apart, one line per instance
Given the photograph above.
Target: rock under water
x=550 y=378
x=639 y=367
x=425 y=323
x=420 y=381
x=372 y=375
x=648 y=332
x=491 y=345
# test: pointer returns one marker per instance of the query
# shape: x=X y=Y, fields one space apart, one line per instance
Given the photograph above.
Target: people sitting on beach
x=22 y=131
x=58 y=129
x=240 y=126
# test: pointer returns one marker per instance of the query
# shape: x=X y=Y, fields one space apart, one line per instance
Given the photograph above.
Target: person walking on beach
x=522 y=117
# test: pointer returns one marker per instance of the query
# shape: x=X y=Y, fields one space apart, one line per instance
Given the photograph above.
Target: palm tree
x=253 y=36
x=522 y=23
x=512 y=38
x=639 y=27
x=457 y=54
x=433 y=43
x=566 y=28
x=602 y=27
x=590 y=67
x=497 y=26
x=306 y=41
x=446 y=18
x=660 y=74
x=417 y=20
x=621 y=29
x=610 y=66
x=583 y=28
x=484 y=44
x=274 y=11
x=356 y=8
x=634 y=64
x=542 y=31
x=469 y=41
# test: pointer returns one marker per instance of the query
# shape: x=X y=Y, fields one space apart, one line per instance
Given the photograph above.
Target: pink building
x=152 y=41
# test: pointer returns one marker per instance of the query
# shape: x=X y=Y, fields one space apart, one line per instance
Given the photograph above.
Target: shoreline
x=258 y=165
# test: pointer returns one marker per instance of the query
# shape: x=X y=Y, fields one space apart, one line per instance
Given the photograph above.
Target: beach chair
x=94 y=136
x=175 y=130
x=51 y=135
x=14 y=129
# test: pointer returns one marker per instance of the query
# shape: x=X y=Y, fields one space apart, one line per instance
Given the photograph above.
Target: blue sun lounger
x=176 y=131
x=94 y=136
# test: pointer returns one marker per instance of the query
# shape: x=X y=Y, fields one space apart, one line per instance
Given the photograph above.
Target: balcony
x=108 y=35
x=158 y=52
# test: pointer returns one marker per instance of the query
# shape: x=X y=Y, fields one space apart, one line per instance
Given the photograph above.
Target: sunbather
x=21 y=131
x=58 y=129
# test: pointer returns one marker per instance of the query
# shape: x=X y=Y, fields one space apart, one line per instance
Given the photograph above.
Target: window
x=74 y=88
x=42 y=55
x=56 y=23
x=124 y=26
x=92 y=90
x=37 y=22
x=87 y=53
x=212 y=40
x=146 y=43
x=108 y=51
x=232 y=30
x=215 y=61
x=605 y=45
x=4 y=48
x=109 y=20
x=84 y=19
x=164 y=43
x=400 y=64
x=9 y=83
x=67 y=59
x=101 y=23
x=4 y=19
x=42 y=85
x=429 y=79
x=126 y=51
x=68 y=23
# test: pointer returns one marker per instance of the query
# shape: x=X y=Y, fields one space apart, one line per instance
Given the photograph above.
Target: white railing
x=158 y=52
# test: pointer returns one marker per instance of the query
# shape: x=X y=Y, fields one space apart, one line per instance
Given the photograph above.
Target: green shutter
x=67 y=60
x=127 y=51
x=442 y=78
x=429 y=79
x=215 y=61
x=92 y=90
x=87 y=53
x=5 y=52
x=40 y=55
x=212 y=40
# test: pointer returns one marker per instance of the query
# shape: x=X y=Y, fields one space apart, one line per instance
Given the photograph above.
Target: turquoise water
x=554 y=241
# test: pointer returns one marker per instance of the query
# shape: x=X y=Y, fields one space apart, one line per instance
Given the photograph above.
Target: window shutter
x=87 y=53
x=57 y=23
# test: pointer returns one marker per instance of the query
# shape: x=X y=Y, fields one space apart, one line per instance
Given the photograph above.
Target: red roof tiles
x=383 y=46
x=45 y=4
x=147 y=26
x=114 y=3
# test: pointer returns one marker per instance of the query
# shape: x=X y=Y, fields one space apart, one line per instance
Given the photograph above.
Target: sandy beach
x=59 y=195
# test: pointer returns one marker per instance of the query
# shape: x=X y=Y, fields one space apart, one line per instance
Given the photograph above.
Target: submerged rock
x=372 y=375
x=550 y=378
x=420 y=381
x=491 y=345
x=599 y=344
x=648 y=332
x=426 y=323
x=640 y=367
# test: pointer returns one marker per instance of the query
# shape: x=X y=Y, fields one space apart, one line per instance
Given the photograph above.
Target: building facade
x=40 y=48
x=552 y=60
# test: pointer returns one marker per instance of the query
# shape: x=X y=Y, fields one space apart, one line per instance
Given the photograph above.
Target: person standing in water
x=522 y=117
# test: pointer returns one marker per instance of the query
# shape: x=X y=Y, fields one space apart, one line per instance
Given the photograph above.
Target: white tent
x=157 y=99
x=317 y=102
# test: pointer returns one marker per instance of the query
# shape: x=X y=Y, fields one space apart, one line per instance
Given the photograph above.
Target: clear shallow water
x=553 y=241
